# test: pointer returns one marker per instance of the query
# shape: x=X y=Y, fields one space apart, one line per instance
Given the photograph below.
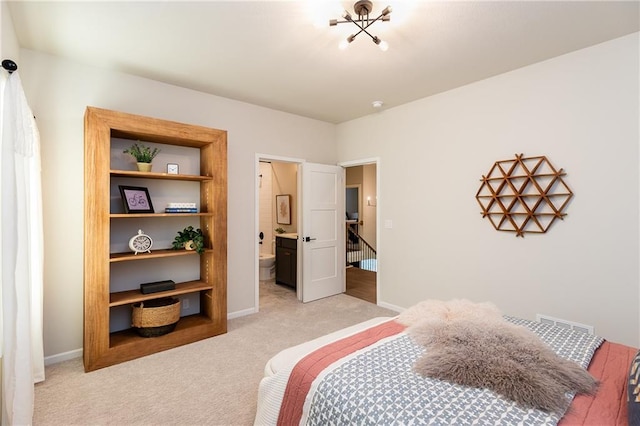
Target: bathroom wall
x=266 y=207
x=285 y=181
x=276 y=179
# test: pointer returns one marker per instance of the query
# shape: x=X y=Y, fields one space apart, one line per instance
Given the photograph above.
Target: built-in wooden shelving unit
x=101 y=346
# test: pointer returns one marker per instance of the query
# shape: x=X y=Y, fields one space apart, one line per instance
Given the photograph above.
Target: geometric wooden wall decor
x=523 y=195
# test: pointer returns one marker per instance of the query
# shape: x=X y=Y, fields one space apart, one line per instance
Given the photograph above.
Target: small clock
x=172 y=169
x=140 y=243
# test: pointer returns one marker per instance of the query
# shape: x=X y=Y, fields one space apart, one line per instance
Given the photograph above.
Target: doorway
x=277 y=202
x=361 y=196
x=315 y=206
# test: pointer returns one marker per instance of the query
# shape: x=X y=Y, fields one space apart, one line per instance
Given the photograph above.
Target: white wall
x=581 y=111
x=9 y=48
x=59 y=91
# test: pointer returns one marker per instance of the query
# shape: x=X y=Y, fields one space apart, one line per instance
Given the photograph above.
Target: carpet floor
x=210 y=382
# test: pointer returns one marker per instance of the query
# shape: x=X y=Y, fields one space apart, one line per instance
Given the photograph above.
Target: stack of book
x=181 y=208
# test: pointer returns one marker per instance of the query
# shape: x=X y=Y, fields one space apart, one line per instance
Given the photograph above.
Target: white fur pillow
x=454 y=309
x=475 y=348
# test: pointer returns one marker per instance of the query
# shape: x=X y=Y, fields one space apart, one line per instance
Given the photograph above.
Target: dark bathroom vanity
x=287 y=259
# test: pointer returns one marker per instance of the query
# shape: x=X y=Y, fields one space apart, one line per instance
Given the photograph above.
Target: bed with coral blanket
x=366 y=374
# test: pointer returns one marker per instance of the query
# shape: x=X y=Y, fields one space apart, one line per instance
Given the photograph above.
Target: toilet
x=267 y=266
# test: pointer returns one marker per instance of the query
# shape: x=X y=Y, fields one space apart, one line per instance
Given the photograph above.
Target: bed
x=365 y=374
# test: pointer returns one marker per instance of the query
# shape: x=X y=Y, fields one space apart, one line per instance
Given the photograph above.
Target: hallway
x=361 y=284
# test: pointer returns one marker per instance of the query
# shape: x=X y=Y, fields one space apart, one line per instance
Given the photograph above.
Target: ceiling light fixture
x=362 y=8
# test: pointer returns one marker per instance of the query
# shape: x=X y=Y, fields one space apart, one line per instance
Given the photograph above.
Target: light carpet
x=210 y=382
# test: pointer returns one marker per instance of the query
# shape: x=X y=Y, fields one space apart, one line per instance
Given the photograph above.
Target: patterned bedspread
x=379 y=387
x=376 y=385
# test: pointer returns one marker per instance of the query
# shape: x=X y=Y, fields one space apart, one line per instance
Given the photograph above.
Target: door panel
x=322 y=231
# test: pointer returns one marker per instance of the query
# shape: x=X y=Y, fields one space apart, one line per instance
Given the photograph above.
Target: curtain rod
x=9 y=65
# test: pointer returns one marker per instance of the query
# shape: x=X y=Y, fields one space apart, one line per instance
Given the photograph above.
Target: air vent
x=582 y=328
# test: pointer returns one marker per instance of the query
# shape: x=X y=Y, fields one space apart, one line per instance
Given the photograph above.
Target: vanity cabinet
x=286 y=261
x=112 y=272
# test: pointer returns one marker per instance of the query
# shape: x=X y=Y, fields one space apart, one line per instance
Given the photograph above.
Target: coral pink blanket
x=610 y=365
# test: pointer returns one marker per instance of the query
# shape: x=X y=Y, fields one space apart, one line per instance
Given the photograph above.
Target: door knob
x=307 y=239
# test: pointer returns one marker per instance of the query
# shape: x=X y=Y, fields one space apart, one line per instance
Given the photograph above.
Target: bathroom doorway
x=277 y=222
x=361 y=216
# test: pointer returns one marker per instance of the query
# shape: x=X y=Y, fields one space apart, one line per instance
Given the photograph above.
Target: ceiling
x=270 y=53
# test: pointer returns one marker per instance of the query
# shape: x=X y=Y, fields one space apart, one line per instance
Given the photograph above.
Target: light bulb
x=383 y=45
x=343 y=45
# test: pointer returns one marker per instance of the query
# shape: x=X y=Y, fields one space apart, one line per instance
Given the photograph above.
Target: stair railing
x=358 y=249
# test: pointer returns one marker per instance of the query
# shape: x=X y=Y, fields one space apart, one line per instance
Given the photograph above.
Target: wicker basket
x=155 y=317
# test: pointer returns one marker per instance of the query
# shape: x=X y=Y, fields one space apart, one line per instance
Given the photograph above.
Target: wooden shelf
x=156 y=215
x=155 y=254
x=132 y=296
x=154 y=175
x=105 y=310
x=130 y=337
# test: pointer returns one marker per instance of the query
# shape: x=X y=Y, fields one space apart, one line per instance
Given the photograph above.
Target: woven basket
x=155 y=317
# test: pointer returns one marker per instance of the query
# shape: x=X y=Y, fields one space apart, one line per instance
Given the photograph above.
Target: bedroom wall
x=9 y=48
x=59 y=91
x=581 y=111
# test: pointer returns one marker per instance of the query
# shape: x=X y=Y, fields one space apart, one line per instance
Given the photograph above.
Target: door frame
x=256 y=216
x=364 y=162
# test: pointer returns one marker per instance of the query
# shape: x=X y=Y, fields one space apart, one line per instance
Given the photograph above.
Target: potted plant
x=143 y=154
x=189 y=239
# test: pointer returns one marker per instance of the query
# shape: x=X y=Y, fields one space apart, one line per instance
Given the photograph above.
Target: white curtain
x=21 y=254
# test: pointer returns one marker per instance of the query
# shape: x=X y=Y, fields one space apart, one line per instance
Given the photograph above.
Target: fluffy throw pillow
x=634 y=391
x=448 y=310
x=489 y=352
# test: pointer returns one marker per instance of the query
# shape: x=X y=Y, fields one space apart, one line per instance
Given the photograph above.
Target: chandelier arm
x=367 y=33
x=374 y=20
x=356 y=22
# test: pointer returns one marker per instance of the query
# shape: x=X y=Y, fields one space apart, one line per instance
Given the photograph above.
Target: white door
x=323 y=221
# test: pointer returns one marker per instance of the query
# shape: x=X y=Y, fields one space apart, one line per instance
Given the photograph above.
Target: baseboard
x=390 y=306
x=242 y=313
x=65 y=356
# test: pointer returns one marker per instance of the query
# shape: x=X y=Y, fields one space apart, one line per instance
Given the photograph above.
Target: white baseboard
x=390 y=306
x=242 y=313
x=65 y=356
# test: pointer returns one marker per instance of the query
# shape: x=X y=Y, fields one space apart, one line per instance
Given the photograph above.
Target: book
x=180 y=210
x=181 y=205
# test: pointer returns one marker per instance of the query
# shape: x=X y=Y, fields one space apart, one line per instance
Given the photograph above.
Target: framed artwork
x=136 y=199
x=283 y=209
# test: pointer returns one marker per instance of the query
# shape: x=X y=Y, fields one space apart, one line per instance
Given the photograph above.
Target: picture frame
x=283 y=209
x=136 y=199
